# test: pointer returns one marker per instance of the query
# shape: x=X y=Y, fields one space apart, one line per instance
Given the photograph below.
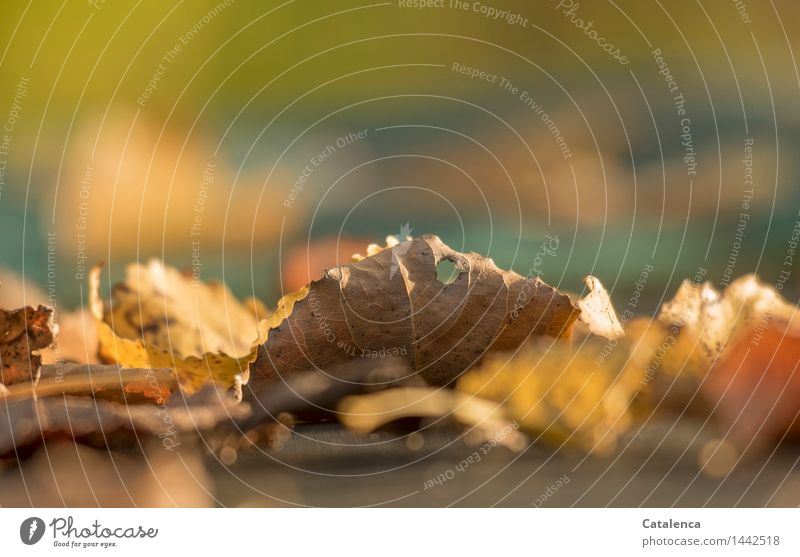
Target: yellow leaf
x=565 y=393
x=161 y=319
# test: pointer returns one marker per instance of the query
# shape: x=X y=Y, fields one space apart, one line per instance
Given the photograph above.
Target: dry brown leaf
x=29 y=422
x=313 y=396
x=24 y=332
x=564 y=393
x=308 y=397
x=107 y=382
x=391 y=303
x=159 y=317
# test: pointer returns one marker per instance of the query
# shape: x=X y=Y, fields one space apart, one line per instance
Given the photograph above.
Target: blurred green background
x=179 y=130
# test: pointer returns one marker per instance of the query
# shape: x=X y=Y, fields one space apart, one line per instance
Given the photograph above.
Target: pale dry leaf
x=372 y=249
x=714 y=319
x=392 y=304
x=739 y=347
x=160 y=318
x=23 y=332
x=597 y=311
x=167 y=308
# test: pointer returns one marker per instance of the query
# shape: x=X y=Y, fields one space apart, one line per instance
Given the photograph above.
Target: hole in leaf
x=446 y=271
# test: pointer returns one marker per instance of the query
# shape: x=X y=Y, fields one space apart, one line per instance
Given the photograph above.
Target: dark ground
x=656 y=468
x=322 y=465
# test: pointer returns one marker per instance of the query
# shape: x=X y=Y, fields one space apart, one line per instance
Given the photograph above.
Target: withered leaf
x=365 y=413
x=313 y=396
x=24 y=332
x=714 y=319
x=392 y=304
x=564 y=393
x=750 y=339
x=597 y=312
x=160 y=317
x=739 y=348
x=673 y=363
x=310 y=396
x=27 y=422
x=108 y=382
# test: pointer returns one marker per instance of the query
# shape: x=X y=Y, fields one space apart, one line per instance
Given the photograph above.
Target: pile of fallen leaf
x=382 y=339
